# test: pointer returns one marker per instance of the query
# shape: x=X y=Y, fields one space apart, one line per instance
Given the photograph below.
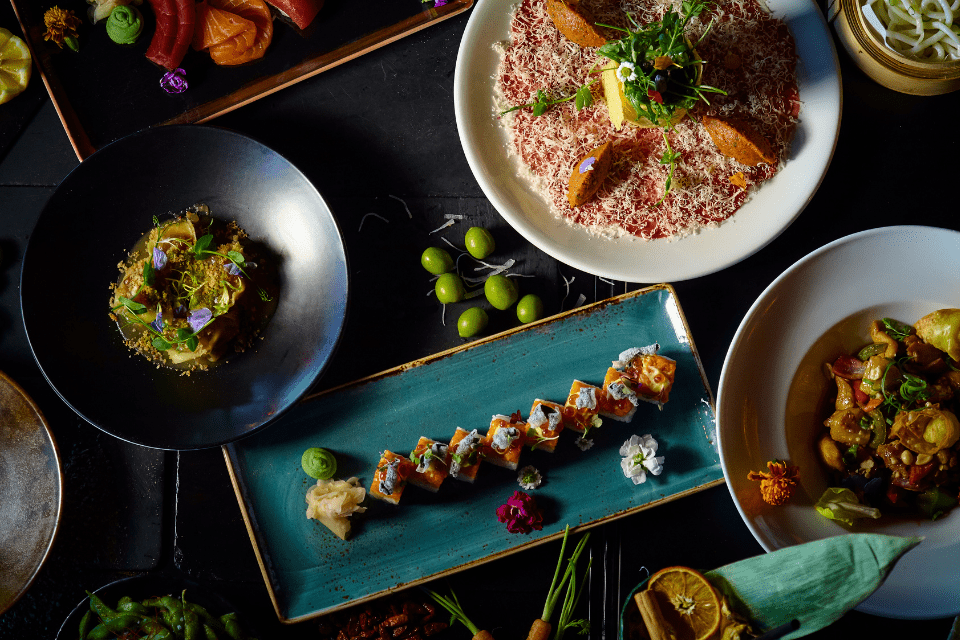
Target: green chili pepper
x=110 y=628
x=87 y=622
x=871 y=350
x=878 y=424
x=232 y=625
x=100 y=608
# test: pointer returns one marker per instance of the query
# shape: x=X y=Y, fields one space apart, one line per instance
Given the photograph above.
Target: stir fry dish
x=187 y=292
x=891 y=443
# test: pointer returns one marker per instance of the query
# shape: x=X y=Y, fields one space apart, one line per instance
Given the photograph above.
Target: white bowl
x=771 y=384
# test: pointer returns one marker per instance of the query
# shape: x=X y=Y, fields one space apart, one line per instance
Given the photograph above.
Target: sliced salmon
x=234 y=53
x=215 y=26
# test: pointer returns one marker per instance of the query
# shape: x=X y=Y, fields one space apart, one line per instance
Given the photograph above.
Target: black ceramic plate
x=149 y=586
x=94 y=218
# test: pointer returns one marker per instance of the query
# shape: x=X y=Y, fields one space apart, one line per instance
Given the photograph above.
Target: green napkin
x=816 y=582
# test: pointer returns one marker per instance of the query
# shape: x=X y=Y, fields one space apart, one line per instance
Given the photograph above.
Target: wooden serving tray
x=105 y=91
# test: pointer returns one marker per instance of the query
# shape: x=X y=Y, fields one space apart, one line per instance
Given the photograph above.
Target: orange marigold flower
x=776 y=485
x=61 y=24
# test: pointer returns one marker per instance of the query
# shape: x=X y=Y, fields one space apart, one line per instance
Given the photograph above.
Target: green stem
x=452 y=605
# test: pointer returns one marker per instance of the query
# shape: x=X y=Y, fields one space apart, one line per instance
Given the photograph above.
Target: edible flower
x=61 y=27
x=157 y=325
x=529 y=478
x=583 y=443
x=626 y=71
x=776 y=485
x=640 y=458
x=655 y=96
x=174 y=81
x=520 y=513
x=159 y=259
x=199 y=318
x=587 y=164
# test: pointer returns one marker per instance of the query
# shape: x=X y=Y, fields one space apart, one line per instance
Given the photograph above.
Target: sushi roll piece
x=652 y=374
x=433 y=464
x=390 y=478
x=544 y=425
x=582 y=408
x=618 y=399
x=503 y=443
x=466 y=451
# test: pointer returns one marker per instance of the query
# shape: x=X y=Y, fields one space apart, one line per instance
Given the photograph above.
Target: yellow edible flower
x=777 y=485
x=61 y=24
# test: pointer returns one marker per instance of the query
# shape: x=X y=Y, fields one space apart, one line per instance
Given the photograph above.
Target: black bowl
x=149 y=586
x=94 y=218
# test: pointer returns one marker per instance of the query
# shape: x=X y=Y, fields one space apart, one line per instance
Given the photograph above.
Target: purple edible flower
x=174 y=81
x=587 y=164
x=198 y=318
x=157 y=325
x=159 y=259
x=232 y=268
x=520 y=513
x=440 y=3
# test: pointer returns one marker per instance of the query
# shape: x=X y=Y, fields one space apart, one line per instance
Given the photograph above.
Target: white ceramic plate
x=771 y=384
x=763 y=218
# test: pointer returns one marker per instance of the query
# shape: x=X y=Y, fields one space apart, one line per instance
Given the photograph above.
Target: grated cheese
x=762 y=87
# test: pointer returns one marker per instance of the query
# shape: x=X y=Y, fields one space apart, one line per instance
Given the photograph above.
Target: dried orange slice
x=15 y=65
x=687 y=602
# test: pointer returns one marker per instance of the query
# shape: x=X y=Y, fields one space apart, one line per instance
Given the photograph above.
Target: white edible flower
x=626 y=71
x=529 y=478
x=640 y=457
x=583 y=443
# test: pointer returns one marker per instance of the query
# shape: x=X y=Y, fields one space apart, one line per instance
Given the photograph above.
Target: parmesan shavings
x=761 y=88
x=375 y=215
x=409 y=215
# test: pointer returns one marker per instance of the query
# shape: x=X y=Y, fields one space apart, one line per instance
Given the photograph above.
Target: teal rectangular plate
x=310 y=572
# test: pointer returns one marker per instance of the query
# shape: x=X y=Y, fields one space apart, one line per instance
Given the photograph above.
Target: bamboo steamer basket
x=884 y=65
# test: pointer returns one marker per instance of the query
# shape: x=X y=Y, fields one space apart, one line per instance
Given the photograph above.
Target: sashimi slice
x=174 y=32
x=256 y=11
x=227 y=52
x=215 y=26
x=302 y=12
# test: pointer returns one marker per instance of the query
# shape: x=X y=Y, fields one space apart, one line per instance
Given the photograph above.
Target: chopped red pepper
x=919 y=471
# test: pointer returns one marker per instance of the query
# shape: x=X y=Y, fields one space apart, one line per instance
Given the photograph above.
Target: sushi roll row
x=639 y=374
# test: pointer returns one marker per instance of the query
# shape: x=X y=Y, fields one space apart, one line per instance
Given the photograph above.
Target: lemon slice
x=15 y=65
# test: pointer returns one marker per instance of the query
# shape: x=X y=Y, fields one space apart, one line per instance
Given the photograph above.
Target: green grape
x=471 y=322
x=529 y=308
x=479 y=242
x=501 y=291
x=436 y=260
x=449 y=288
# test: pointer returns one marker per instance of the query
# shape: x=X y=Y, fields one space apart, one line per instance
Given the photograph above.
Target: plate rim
x=748 y=322
x=55 y=449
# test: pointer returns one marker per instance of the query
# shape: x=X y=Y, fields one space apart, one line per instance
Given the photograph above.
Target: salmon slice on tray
x=215 y=26
x=246 y=46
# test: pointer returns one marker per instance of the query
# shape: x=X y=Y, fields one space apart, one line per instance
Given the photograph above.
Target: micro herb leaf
x=193 y=342
x=149 y=273
x=203 y=243
x=896 y=330
x=236 y=257
x=584 y=98
x=135 y=307
x=160 y=344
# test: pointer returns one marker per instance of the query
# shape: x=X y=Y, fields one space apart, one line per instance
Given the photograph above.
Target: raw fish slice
x=174 y=32
x=230 y=51
x=256 y=11
x=215 y=26
x=302 y=12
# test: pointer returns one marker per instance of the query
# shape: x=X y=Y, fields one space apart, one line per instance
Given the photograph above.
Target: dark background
x=366 y=133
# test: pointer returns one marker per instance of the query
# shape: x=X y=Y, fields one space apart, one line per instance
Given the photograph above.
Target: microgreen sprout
x=572 y=593
x=452 y=605
x=582 y=98
x=669 y=157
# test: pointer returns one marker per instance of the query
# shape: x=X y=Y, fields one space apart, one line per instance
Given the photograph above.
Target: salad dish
x=165 y=169
x=479 y=101
x=376 y=422
x=819 y=311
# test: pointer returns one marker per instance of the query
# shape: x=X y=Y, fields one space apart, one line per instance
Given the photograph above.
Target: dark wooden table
x=367 y=133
